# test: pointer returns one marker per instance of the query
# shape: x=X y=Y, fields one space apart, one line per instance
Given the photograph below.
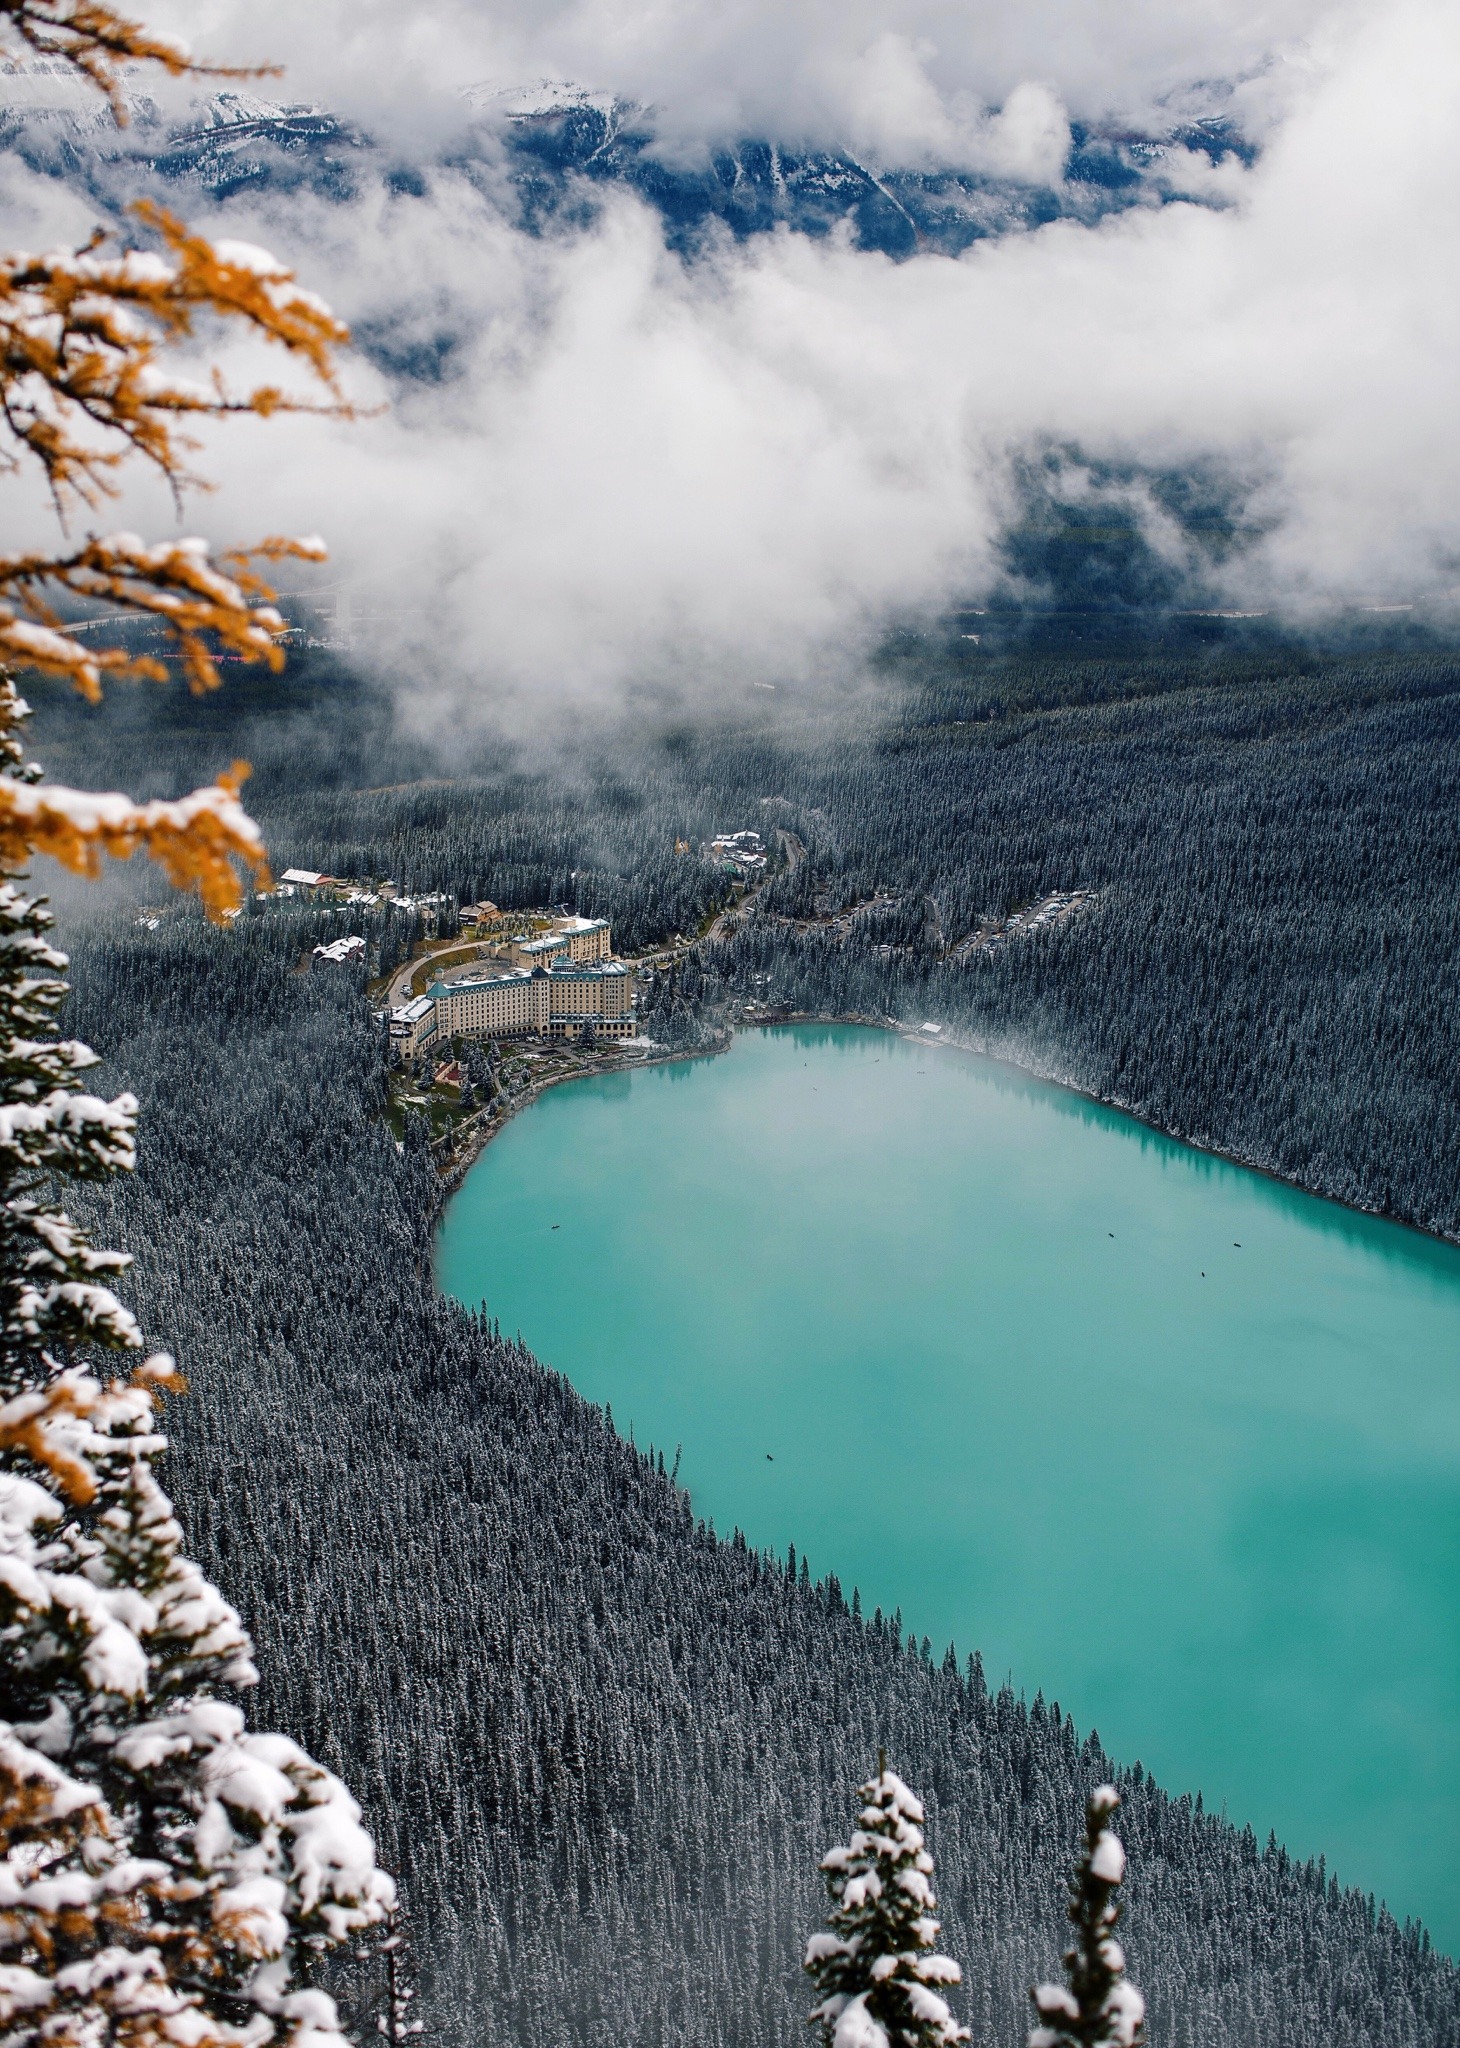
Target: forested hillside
x=602 y=1746
x=1271 y=964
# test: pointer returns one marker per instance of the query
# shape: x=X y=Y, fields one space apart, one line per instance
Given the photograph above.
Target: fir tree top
x=876 y=1968
x=1098 y=2008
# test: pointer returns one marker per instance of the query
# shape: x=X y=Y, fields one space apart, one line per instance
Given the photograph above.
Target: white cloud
x=793 y=69
x=892 y=109
x=1028 y=137
x=886 y=107
x=643 y=470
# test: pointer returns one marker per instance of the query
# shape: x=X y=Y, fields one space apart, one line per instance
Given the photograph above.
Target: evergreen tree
x=397 y=2022
x=1098 y=2008
x=162 y=1870
x=875 y=1969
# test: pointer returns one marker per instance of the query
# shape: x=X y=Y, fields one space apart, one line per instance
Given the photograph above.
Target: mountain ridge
x=547 y=147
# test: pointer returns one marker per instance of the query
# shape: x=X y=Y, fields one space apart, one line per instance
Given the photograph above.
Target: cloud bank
x=912 y=76
x=640 y=470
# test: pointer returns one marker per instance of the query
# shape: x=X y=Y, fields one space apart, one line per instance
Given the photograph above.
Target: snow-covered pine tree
x=876 y=1968
x=1097 y=2008
x=397 y=2022
x=164 y=1872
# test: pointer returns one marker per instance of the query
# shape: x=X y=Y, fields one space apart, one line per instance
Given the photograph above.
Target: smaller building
x=541 y=952
x=589 y=938
x=584 y=940
x=307 y=882
x=413 y=1026
x=741 y=853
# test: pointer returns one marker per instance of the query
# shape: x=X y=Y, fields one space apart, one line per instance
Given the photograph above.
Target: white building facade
x=560 y=1002
x=585 y=941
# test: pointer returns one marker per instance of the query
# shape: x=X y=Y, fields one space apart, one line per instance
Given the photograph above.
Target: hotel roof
x=476 y=981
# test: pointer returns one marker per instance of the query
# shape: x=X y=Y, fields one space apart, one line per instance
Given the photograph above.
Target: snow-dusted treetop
x=1097 y=2008
x=876 y=1967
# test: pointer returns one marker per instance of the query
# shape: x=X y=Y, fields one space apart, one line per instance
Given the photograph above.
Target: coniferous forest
x=1270 y=964
x=601 y=1745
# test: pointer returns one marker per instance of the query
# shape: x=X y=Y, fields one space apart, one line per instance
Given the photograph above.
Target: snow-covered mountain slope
x=548 y=147
x=230 y=142
x=558 y=136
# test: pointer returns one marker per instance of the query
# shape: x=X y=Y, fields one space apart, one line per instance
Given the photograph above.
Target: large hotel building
x=567 y=981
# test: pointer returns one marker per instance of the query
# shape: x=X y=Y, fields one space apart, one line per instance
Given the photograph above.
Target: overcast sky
x=744 y=465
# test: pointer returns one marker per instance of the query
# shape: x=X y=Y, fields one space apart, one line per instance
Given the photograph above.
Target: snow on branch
x=1098 y=2007
x=86 y=387
x=196 y=839
x=875 y=1968
x=99 y=44
x=174 y=582
x=82 y=332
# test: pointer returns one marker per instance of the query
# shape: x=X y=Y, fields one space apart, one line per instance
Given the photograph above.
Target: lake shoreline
x=480 y=1136
x=480 y=1133
x=1150 y=1123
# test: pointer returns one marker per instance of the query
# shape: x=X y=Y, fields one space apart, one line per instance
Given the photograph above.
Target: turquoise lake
x=1164 y=1439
